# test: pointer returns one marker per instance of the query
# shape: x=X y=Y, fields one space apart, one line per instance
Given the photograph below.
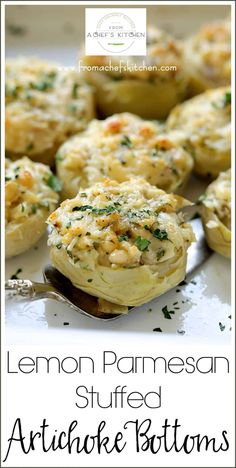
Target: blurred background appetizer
x=216 y=214
x=120 y=147
x=45 y=104
x=124 y=243
x=149 y=93
x=31 y=194
x=206 y=120
x=207 y=56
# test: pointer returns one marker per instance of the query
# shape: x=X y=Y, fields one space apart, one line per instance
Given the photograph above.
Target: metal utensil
x=58 y=287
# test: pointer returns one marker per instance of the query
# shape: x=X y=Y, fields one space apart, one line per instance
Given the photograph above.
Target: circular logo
x=115 y=32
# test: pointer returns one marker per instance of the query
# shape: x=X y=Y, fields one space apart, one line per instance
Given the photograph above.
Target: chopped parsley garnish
x=158 y=329
x=43 y=85
x=54 y=183
x=58 y=157
x=107 y=210
x=125 y=141
x=167 y=313
x=7 y=179
x=83 y=195
x=74 y=93
x=90 y=280
x=34 y=208
x=154 y=153
x=160 y=234
x=29 y=147
x=142 y=243
x=222 y=327
x=82 y=208
x=122 y=238
x=227 y=98
x=15 y=276
x=59 y=246
x=226 y=101
x=183 y=283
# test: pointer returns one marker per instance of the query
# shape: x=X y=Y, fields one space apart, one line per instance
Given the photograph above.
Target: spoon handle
x=26 y=289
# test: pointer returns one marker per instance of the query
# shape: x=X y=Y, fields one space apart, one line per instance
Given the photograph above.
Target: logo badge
x=111 y=31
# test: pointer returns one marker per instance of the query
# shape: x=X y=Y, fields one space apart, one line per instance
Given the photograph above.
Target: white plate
x=201 y=307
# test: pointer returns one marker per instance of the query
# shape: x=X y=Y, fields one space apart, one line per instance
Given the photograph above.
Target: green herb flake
x=90 y=280
x=7 y=178
x=125 y=141
x=142 y=243
x=167 y=313
x=59 y=246
x=82 y=208
x=123 y=238
x=158 y=329
x=183 y=283
x=54 y=183
x=222 y=327
x=15 y=276
x=154 y=153
x=34 y=208
x=74 y=93
x=29 y=147
x=106 y=210
x=160 y=234
x=227 y=98
x=83 y=195
x=58 y=157
x=43 y=85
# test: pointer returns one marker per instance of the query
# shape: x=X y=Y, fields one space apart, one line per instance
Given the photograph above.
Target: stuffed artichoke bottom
x=207 y=57
x=206 y=120
x=124 y=242
x=216 y=214
x=121 y=147
x=45 y=104
x=30 y=195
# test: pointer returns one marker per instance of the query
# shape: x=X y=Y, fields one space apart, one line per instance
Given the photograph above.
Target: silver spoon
x=58 y=287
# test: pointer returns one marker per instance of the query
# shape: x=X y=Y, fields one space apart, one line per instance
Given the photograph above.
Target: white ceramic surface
x=201 y=307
